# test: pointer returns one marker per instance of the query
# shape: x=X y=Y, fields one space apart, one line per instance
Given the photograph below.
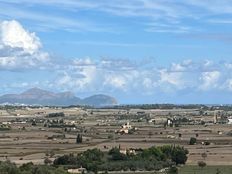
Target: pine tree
x=79 y=139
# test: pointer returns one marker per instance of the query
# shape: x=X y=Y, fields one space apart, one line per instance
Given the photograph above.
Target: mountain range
x=37 y=96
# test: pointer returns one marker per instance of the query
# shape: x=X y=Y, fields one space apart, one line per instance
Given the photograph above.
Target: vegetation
x=201 y=164
x=29 y=168
x=192 y=141
x=207 y=170
x=59 y=114
x=154 y=158
x=4 y=128
x=79 y=138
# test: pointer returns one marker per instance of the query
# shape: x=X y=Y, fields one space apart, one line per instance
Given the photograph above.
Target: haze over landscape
x=139 y=51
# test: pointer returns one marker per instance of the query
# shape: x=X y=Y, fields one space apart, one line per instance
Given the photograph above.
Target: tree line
x=153 y=158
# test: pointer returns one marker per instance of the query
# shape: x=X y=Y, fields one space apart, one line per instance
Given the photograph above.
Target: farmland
x=34 y=134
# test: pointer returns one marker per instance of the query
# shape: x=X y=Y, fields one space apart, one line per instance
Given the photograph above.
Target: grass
x=206 y=170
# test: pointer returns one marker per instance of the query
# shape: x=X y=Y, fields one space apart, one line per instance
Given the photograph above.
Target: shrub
x=201 y=164
x=79 y=139
x=192 y=141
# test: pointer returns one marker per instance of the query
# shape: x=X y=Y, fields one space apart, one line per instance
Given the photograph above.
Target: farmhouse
x=125 y=128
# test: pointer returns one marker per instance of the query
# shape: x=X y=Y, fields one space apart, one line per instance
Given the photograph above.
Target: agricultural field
x=206 y=170
x=34 y=134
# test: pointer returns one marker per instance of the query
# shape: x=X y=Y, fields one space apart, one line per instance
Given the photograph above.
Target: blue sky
x=139 y=51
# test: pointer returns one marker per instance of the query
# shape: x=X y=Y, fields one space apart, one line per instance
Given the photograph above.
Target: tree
x=192 y=141
x=201 y=164
x=26 y=166
x=116 y=155
x=33 y=123
x=179 y=155
x=79 y=139
x=8 y=168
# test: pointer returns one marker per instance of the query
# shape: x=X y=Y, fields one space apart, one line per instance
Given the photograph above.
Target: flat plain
x=33 y=136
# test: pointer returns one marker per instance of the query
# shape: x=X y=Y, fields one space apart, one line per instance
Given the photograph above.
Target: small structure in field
x=125 y=128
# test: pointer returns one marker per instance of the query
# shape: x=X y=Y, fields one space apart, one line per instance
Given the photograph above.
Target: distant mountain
x=37 y=96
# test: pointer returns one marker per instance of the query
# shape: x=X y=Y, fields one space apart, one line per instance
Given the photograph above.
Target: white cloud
x=115 y=81
x=80 y=75
x=12 y=34
x=19 y=48
x=209 y=80
x=173 y=78
x=84 y=75
x=89 y=75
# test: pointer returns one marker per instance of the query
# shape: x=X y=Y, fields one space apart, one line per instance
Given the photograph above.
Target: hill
x=37 y=96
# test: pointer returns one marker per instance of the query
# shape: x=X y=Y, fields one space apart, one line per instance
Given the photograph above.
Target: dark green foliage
x=66 y=160
x=116 y=155
x=4 y=128
x=29 y=168
x=154 y=158
x=192 y=141
x=79 y=139
x=26 y=167
x=59 y=114
x=8 y=168
x=179 y=155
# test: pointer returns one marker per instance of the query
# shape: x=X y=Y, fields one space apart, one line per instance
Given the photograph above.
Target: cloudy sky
x=139 y=51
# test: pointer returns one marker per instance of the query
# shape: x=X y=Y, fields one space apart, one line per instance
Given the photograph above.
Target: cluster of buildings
x=125 y=128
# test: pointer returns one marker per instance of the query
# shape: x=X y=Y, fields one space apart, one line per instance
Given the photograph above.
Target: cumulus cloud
x=19 y=48
x=15 y=36
x=97 y=75
x=91 y=75
x=209 y=80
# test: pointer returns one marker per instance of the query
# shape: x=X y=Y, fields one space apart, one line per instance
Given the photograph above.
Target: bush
x=116 y=155
x=8 y=168
x=29 y=168
x=201 y=164
x=79 y=139
x=192 y=141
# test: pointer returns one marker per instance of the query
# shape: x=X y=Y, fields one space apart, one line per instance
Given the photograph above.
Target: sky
x=138 y=51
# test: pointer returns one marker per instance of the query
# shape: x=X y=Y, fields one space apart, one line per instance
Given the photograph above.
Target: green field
x=206 y=170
